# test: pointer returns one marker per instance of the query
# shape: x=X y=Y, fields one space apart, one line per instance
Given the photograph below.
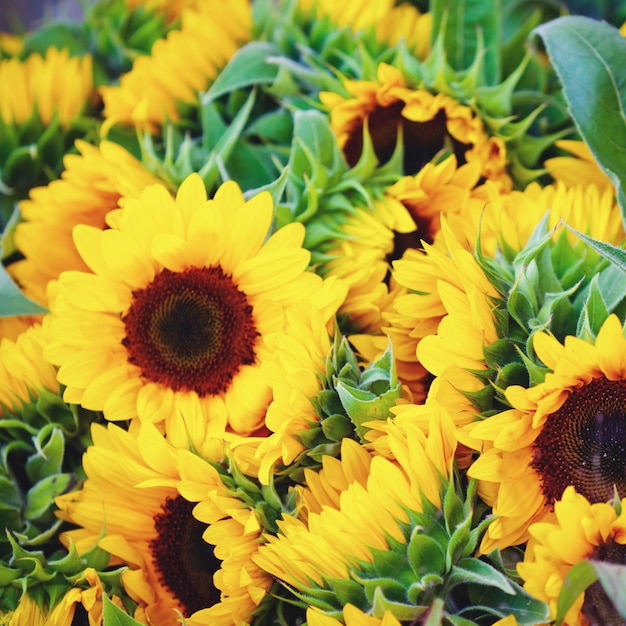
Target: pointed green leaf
x=472 y=570
x=114 y=616
x=249 y=66
x=575 y=582
x=613 y=578
x=425 y=555
x=588 y=56
x=467 y=22
x=608 y=251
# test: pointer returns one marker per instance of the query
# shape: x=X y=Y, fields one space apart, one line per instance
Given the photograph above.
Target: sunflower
x=447 y=308
x=183 y=293
x=88 y=601
x=567 y=430
x=180 y=67
x=52 y=85
x=578 y=531
x=138 y=504
x=370 y=515
x=23 y=370
x=351 y=616
x=580 y=168
x=429 y=123
x=172 y=9
x=92 y=184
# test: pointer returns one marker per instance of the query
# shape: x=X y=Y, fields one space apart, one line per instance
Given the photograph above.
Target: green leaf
x=613 y=578
x=425 y=555
x=472 y=28
x=594 y=311
x=41 y=496
x=575 y=582
x=608 y=251
x=249 y=66
x=114 y=616
x=588 y=56
x=13 y=301
x=472 y=570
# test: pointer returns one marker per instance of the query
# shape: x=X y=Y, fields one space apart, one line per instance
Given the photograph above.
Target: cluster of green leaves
x=47 y=579
x=41 y=445
x=433 y=576
x=349 y=398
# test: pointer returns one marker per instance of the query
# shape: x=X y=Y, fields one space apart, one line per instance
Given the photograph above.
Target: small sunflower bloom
x=179 y=68
x=564 y=431
x=183 y=292
x=427 y=122
x=54 y=84
x=92 y=183
x=578 y=531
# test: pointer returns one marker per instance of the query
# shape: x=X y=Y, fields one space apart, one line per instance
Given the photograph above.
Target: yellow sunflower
x=92 y=184
x=447 y=308
x=182 y=293
x=579 y=169
x=391 y=23
x=171 y=8
x=428 y=122
x=567 y=430
x=351 y=616
x=180 y=67
x=30 y=612
x=23 y=370
x=11 y=45
x=140 y=495
x=578 y=531
x=54 y=84
x=369 y=515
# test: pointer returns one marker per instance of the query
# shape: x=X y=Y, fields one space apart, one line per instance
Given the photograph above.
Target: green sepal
x=476 y=571
x=348 y=591
x=113 y=615
x=425 y=555
x=611 y=253
x=400 y=610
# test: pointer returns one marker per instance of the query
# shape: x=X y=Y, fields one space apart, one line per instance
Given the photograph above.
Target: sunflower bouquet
x=312 y=312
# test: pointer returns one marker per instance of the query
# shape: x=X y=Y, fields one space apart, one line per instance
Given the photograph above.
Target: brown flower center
x=184 y=561
x=584 y=443
x=422 y=140
x=190 y=330
x=597 y=606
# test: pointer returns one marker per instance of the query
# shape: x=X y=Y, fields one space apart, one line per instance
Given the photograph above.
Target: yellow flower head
x=182 y=557
x=180 y=67
x=579 y=169
x=23 y=370
x=428 y=123
x=92 y=184
x=370 y=510
x=182 y=294
x=564 y=431
x=578 y=531
x=56 y=84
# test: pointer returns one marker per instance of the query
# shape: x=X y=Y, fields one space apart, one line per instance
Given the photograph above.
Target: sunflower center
x=190 y=330
x=584 y=443
x=597 y=606
x=422 y=140
x=184 y=561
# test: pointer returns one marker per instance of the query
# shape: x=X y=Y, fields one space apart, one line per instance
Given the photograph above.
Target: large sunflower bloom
x=141 y=491
x=428 y=122
x=92 y=184
x=182 y=295
x=568 y=430
x=578 y=531
x=180 y=67
x=56 y=84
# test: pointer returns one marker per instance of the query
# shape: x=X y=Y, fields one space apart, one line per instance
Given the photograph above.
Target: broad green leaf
x=472 y=570
x=588 y=56
x=425 y=555
x=249 y=66
x=472 y=27
x=577 y=580
x=114 y=616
